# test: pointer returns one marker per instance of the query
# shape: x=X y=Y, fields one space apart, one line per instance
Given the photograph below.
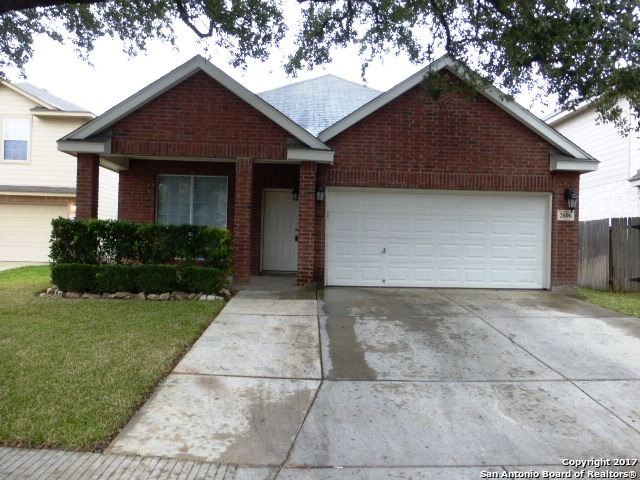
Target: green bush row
x=135 y=278
x=96 y=242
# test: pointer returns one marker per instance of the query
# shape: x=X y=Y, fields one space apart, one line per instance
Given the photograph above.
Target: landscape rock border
x=224 y=295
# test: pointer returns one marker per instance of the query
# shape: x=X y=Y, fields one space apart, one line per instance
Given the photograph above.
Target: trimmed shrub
x=153 y=245
x=116 y=278
x=135 y=278
x=200 y=279
x=75 y=277
x=156 y=278
x=117 y=242
x=74 y=241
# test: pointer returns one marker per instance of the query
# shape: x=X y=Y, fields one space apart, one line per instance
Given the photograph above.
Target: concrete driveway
x=402 y=383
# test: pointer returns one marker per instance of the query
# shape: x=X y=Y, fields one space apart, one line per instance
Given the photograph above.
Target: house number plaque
x=566 y=215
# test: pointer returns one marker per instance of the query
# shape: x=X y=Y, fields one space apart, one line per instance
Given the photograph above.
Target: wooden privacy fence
x=610 y=254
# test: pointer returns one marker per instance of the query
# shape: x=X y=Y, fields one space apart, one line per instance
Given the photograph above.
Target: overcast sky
x=114 y=76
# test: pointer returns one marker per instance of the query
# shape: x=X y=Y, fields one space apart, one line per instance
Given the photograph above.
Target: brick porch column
x=306 y=223
x=87 y=181
x=242 y=221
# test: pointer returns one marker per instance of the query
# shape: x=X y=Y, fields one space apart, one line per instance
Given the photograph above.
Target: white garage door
x=437 y=239
x=25 y=230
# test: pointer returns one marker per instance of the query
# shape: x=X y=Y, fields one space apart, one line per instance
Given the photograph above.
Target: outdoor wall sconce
x=571 y=197
x=295 y=193
x=320 y=193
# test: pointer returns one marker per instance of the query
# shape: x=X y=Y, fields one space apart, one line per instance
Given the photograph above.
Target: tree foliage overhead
x=579 y=50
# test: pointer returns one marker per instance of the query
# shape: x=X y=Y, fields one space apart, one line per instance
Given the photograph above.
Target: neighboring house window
x=195 y=200
x=15 y=139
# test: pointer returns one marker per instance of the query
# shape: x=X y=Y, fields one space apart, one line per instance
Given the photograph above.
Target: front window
x=195 y=200
x=15 y=140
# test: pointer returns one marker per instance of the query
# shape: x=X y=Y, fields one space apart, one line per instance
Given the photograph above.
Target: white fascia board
x=491 y=93
x=62 y=113
x=100 y=147
x=177 y=76
x=571 y=164
x=303 y=154
x=37 y=194
x=115 y=164
x=560 y=116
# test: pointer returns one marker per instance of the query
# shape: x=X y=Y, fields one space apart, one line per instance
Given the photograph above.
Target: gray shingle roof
x=318 y=103
x=48 y=98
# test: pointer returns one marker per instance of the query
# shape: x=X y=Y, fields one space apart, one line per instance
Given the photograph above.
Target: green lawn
x=74 y=371
x=626 y=303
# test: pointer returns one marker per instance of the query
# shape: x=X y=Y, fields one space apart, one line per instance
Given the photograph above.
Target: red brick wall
x=87 y=183
x=454 y=143
x=565 y=238
x=306 y=228
x=138 y=184
x=242 y=221
x=199 y=118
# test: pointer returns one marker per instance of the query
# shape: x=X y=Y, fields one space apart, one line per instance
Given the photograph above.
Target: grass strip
x=626 y=303
x=75 y=371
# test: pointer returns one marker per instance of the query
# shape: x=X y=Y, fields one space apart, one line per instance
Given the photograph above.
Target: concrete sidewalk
x=241 y=393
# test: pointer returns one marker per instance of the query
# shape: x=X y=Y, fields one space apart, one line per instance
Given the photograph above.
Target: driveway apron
x=402 y=383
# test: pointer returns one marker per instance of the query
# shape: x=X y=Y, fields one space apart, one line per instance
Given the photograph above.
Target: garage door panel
x=475 y=253
x=425 y=226
x=427 y=238
x=25 y=230
x=343 y=249
x=500 y=252
x=345 y=224
x=371 y=250
x=424 y=251
x=399 y=251
x=449 y=252
x=475 y=275
x=401 y=225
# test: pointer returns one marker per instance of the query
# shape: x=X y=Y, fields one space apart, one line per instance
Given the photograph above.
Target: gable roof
x=47 y=104
x=447 y=63
x=315 y=111
x=48 y=99
x=170 y=80
x=318 y=103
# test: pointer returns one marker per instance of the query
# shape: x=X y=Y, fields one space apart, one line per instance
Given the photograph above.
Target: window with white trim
x=15 y=139
x=191 y=199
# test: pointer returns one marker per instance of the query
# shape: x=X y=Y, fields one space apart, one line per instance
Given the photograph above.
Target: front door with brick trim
x=280 y=232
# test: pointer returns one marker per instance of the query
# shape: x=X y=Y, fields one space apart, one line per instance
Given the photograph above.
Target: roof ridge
x=298 y=83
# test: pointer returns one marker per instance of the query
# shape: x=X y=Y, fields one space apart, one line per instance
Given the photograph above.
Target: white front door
x=280 y=232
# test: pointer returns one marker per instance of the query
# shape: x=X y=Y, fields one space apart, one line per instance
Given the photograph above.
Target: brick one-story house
x=345 y=185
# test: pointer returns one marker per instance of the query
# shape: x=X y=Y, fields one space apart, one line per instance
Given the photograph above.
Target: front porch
x=272 y=230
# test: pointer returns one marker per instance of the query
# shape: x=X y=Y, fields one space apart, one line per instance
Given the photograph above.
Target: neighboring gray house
x=613 y=190
x=38 y=182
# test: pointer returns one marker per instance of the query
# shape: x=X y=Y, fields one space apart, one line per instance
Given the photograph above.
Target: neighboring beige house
x=612 y=191
x=37 y=182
